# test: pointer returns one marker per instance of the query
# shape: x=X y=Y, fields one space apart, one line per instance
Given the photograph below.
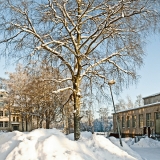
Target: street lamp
x=110 y=83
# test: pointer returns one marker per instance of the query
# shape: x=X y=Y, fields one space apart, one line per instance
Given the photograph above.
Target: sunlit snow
x=51 y=144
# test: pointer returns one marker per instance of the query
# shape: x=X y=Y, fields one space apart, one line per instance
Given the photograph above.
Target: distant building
x=4 y=114
x=142 y=120
x=10 y=117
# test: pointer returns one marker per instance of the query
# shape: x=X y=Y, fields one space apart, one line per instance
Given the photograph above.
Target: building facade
x=140 y=121
x=10 y=115
x=4 y=114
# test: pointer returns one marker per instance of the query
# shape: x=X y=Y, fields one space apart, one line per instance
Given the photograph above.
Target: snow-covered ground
x=51 y=144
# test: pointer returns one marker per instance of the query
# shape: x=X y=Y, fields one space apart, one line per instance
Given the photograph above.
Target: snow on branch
x=118 y=67
x=62 y=90
x=59 y=80
x=99 y=62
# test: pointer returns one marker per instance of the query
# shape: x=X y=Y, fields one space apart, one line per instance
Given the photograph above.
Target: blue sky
x=148 y=84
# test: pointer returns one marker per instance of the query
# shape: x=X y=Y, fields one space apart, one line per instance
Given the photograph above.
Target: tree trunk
x=37 y=122
x=77 y=118
x=76 y=79
x=10 y=118
x=26 y=123
x=40 y=123
x=47 y=123
x=76 y=127
x=22 y=122
x=47 y=119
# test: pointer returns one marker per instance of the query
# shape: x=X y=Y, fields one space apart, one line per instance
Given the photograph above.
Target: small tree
x=139 y=101
x=103 y=116
x=129 y=103
x=121 y=105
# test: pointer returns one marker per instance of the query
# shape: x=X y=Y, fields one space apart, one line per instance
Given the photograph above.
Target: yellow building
x=4 y=113
x=10 y=115
x=142 y=120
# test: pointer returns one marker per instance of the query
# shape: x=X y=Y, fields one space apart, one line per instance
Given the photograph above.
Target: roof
x=156 y=94
x=147 y=105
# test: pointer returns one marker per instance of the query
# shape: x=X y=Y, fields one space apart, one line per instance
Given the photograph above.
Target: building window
x=1 y=104
x=6 y=124
x=141 y=121
x=1 y=113
x=148 y=119
x=17 y=119
x=14 y=119
x=6 y=113
x=1 y=124
x=123 y=123
x=128 y=121
x=133 y=121
x=157 y=115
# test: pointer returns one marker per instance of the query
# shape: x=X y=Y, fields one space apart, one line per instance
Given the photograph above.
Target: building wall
x=152 y=99
x=4 y=118
x=137 y=112
x=10 y=118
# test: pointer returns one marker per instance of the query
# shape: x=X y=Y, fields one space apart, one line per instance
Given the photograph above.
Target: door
x=157 y=126
x=15 y=127
x=157 y=122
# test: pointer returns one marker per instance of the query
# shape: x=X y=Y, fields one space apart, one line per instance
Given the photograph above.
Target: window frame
x=128 y=121
x=123 y=122
x=134 y=118
x=157 y=115
x=1 y=123
x=6 y=113
x=141 y=123
x=14 y=119
x=1 y=115
x=6 y=122
x=17 y=119
x=148 y=119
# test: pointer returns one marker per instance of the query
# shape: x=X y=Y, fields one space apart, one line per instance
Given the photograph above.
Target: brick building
x=142 y=120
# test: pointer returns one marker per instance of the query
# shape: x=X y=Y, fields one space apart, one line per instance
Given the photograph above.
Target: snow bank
x=146 y=143
x=125 y=147
x=51 y=144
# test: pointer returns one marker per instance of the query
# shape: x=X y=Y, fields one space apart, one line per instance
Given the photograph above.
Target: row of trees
x=128 y=103
x=92 y=40
x=31 y=91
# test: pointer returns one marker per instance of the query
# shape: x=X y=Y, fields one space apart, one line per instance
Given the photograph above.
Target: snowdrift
x=51 y=144
x=147 y=143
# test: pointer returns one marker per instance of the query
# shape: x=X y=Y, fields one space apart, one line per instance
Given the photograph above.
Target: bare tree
x=139 y=101
x=129 y=103
x=93 y=40
x=31 y=92
x=121 y=105
x=103 y=116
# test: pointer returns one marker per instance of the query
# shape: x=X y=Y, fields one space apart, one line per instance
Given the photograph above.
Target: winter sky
x=149 y=82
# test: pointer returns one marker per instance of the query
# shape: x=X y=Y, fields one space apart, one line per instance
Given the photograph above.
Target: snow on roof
x=156 y=94
x=147 y=105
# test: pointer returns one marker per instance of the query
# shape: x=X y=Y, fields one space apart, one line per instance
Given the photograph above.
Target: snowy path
x=148 y=153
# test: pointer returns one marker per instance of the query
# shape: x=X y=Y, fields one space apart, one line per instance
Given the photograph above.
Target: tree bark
x=26 y=123
x=77 y=99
